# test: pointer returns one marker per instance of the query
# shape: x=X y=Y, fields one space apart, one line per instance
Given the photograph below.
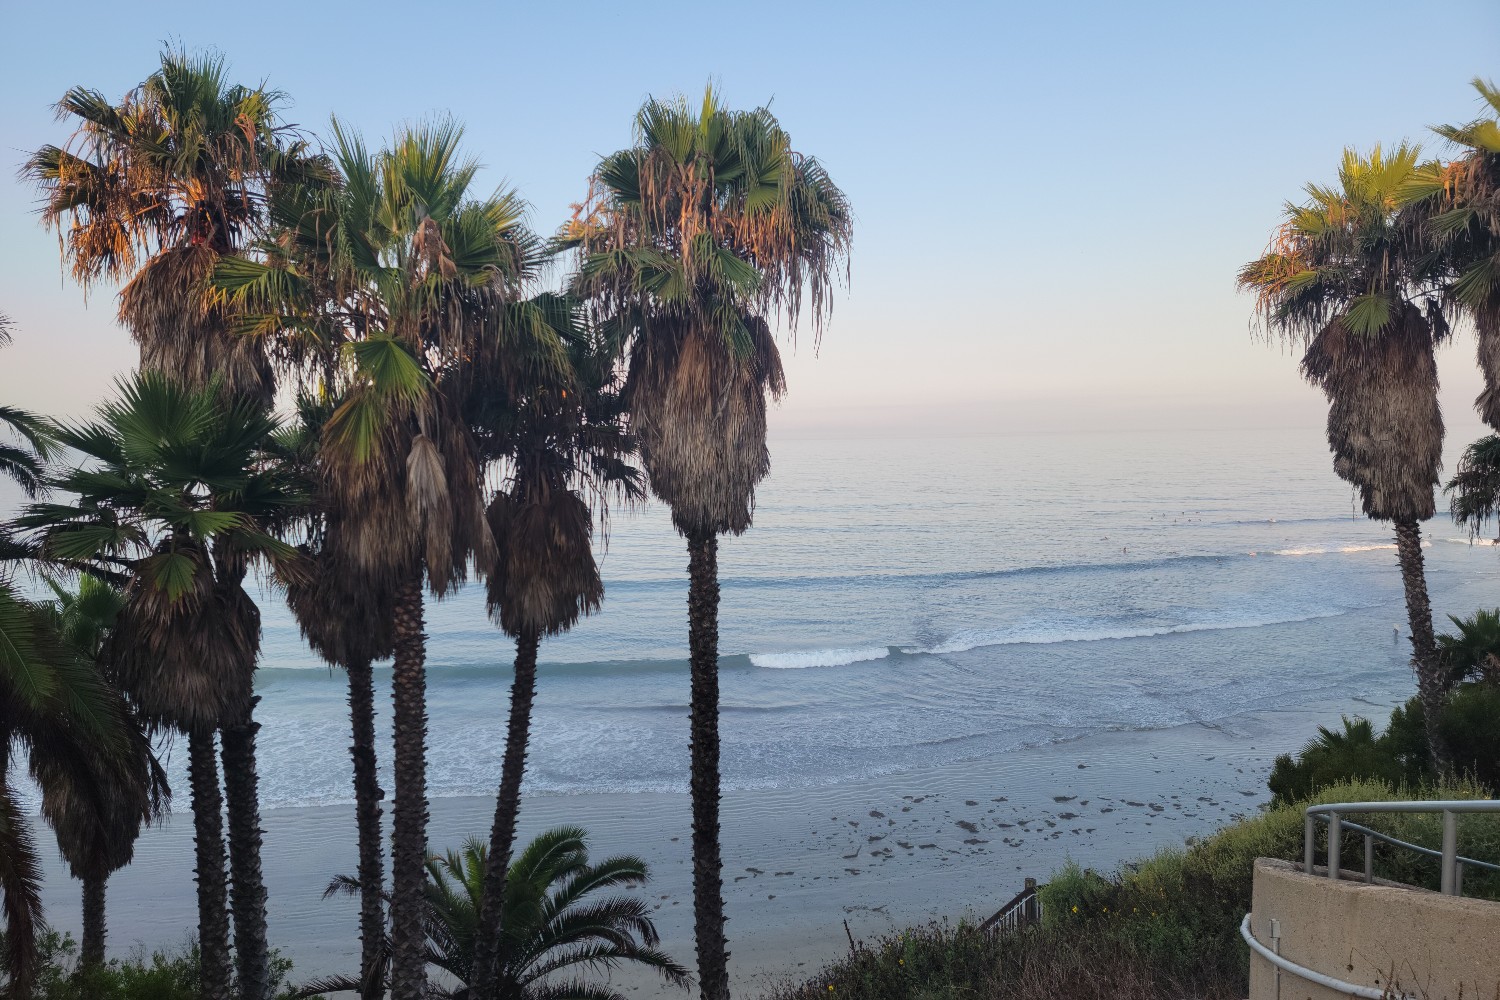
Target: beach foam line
x=965 y=641
x=803 y=659
x=1381 y=547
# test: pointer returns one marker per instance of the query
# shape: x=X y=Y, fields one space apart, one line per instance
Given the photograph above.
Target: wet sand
x=883 y=854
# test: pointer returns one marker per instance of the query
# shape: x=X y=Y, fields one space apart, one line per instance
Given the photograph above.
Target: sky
x=1051 y=199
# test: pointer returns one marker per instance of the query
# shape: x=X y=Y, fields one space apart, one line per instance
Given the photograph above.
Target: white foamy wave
x=964 y=641
x=1473 y=541
x=1382 y=547
x=803 y=659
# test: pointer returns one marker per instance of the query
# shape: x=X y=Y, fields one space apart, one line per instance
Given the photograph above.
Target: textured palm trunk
x=367 y=796
x=208 y=850
x=91 y=948
x=247 y=897
x=708 y=884
x=507 y=808
x=409 y=823
x=1431 y=685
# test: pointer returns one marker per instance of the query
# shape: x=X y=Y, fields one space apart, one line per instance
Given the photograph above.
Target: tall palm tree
x=1341 y=280
x=54 y=708
x=153 y=191
x=175 y=493
x=690 y=239
x=565 y=447
x=97 y=810
x=347 y=618
x=401 y=263
x=554 y=925
x=1454 y=211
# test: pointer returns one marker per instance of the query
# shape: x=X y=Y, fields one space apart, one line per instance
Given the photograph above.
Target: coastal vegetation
x=1163 y=926
x=459 y=414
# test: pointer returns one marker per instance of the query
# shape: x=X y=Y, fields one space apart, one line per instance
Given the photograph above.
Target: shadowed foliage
x=25 y=446
x=1341 y=280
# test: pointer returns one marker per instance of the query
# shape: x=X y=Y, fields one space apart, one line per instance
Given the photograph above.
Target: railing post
x=1335 y=844
x=1309 y=834
x=1449 y=878
x=1369 y=859
x=1029 y=908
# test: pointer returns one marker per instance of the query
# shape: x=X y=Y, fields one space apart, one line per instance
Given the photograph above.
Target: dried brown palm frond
x=1384 y=424
x=186 y=656
x=698 y=413
x=344 y=615
x=544 y=576
x=170 y=313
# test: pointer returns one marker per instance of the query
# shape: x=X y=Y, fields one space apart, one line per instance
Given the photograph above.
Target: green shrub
x=1399 y=756
x=157 y=975
x=1181 y=908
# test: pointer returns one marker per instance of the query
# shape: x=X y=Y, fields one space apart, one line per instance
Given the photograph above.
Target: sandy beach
x=942 y=843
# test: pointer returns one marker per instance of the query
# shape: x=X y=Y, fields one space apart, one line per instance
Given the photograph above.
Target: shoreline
x=936 y=843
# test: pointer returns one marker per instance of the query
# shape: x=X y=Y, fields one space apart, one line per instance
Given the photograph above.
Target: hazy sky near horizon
x=1051 y=199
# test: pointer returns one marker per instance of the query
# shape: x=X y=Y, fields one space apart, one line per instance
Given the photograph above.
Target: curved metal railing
x=1312 y=975
x=1452 y=864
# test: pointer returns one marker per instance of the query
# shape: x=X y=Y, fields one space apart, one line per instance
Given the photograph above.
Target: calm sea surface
x=909 y=602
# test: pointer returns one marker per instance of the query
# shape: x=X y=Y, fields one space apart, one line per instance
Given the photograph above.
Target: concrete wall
x=1421 y=943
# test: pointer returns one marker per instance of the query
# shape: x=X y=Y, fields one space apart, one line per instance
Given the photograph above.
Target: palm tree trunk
x=703 y=649
x=91 y=949
x=409 y=823
x=252 y=951
x=507 y=808
x=208 y=849
x=367 y=796
x=1431 y=686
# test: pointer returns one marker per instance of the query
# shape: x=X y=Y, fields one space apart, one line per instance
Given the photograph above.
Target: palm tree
x=97 y=810
x=175 y=494
x=347 y=620
x=54 y=708
x=1454 y=210
x=1341 y=280
x=155 y=191
x=1474 y=648
x=553 y=922
x=400 y=263
x=565 y=446
x=689 y=240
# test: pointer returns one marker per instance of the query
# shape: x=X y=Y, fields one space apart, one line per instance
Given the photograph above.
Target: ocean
x=912 y=602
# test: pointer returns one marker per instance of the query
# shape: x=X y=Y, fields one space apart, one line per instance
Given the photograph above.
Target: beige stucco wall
x=1436 y=947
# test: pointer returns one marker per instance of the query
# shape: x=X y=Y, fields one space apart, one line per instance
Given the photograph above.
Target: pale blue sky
x=1052 y=199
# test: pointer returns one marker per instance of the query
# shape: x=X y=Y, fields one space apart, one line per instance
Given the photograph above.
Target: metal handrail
x=1452 y=864
x=1024 y=909
x=1312 y=975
